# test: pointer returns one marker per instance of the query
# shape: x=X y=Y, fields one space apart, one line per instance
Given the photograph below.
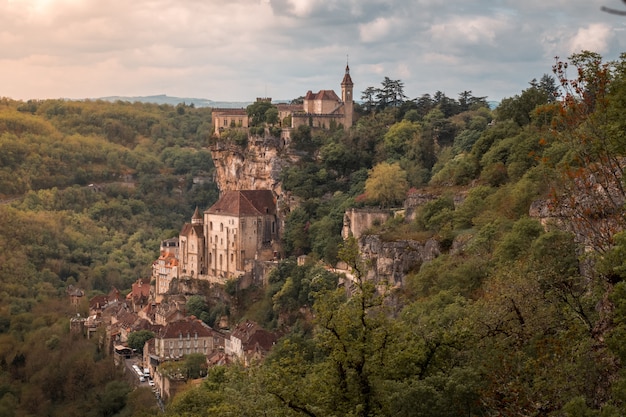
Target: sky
x=237 y=50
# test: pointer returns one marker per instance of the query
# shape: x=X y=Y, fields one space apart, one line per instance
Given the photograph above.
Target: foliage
x=137 y=340
x=386 y=184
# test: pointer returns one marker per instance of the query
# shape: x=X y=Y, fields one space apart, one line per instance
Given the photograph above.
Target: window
x=232 y=258
x=210 y=225
x=221 y=227
x=225 y=121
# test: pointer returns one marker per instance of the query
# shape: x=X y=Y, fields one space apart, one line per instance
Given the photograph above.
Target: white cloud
x=236 y=49
x=375 y=30
x=594 y=37
x=461 y=30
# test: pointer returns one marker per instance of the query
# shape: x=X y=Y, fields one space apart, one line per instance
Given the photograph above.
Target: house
x=228 y=118
x=165 y=268
x=167 y=313
x=249 y=342
x=184 y=337
x=242 y=226
x=75 y=294
x=99 y=303
x=139 y=295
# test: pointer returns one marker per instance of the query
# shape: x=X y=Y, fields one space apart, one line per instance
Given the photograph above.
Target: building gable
x=245 y=203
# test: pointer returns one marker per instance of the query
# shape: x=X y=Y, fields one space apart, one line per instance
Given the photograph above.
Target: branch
x=613 y=11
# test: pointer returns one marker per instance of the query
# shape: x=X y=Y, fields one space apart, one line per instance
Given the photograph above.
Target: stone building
x=192 y=247
x=325 y=108
x=223 y=119
x=318 y=110
x=242 y=226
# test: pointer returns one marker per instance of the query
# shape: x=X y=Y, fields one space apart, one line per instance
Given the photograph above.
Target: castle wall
x=357 y=221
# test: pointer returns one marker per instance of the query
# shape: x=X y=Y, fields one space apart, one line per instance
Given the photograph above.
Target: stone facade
x=319 y=110
x=357 y=221
x=241 y=228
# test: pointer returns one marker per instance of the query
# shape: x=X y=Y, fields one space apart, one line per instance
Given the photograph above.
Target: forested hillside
x=90 y=189
x=518 y=316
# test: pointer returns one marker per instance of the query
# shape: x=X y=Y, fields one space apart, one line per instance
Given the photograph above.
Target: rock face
x=256 y=167
x=391 y=261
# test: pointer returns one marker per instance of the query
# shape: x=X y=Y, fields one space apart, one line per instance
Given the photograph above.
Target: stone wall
x=357 y=221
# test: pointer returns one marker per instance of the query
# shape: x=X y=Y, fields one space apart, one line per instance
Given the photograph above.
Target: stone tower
x=346 y=96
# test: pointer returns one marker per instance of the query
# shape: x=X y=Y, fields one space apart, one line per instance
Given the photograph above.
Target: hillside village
x=237 y=239
x=439 y=258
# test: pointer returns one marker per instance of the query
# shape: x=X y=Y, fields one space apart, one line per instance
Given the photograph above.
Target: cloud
x=238 y=49
x=594 y=37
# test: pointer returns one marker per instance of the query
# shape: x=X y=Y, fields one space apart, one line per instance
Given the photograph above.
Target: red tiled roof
x=245 y=203
x=322 y=95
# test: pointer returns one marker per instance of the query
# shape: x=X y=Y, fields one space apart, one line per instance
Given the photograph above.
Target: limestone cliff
x=257 y=166
x=391 y=261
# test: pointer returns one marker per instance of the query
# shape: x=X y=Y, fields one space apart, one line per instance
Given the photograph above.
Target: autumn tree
x=386 y=184
x=590 y=193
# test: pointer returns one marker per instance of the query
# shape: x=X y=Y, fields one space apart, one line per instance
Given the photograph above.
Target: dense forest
x=89 y=190
x=516 y=317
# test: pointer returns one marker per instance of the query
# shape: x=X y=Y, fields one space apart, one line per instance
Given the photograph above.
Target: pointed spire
x=196 y=218
x=347 y=80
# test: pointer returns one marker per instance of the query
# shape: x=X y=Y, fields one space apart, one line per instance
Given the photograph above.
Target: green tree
x=137 y=340
x=386 y=184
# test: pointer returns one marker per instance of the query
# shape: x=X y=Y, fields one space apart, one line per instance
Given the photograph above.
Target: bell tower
x=346 y=96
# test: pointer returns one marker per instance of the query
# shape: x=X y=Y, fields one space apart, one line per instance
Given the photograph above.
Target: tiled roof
x=140 y=288
x=322 y=95
x=245 y=203
x=185 y=327
x=229 y=112
x=188 y=228
x=347 y=80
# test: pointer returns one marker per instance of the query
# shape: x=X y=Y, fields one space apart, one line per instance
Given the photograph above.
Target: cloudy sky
x=237 y=50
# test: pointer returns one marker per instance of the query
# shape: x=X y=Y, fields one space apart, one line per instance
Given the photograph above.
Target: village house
x=249 y=342
x=99 y=303
x=184 y=337
x=165 y=268
x=139 y=295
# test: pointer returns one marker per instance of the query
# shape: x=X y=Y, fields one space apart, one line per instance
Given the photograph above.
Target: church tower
x=346 y=96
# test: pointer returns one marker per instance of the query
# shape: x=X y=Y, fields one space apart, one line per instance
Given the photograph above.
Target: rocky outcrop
x=391 y=261
x=256 y=167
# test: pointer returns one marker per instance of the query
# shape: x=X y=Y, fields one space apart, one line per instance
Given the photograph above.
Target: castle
x=319 y=110
x=242 y=227
x=224 y=242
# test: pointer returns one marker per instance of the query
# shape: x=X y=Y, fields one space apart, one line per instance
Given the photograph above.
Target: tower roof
x=197 y=217
x=347 y=80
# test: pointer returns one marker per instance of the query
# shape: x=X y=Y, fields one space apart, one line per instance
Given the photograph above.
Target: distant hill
x=165 y=99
